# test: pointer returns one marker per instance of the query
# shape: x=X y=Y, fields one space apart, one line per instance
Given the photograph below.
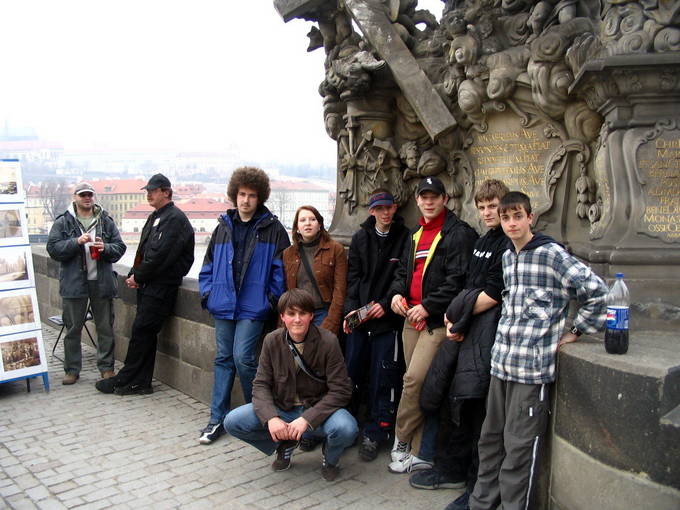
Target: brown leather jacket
x=330 y=270
x=278 y=379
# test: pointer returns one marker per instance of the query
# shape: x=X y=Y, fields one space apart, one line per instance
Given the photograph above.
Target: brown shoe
x=329 y=473
x=284 y=451
x=70 y=379
x=107 y=374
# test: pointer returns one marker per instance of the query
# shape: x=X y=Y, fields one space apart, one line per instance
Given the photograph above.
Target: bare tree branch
x=55 y=197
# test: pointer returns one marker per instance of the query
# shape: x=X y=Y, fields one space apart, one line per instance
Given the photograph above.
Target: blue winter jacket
x=262 y=279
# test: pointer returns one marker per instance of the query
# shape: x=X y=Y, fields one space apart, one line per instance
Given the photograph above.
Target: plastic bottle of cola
x=618 y=303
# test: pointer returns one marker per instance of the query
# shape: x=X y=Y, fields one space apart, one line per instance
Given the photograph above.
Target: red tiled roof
x=33 y=190
x=201 y=205
x=197 y=208
x=116 y=186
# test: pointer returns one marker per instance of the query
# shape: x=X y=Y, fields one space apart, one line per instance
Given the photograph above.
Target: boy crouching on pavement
x=301 y=384
x=540 y=278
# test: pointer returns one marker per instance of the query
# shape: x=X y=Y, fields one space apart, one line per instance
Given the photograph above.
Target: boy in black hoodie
x=372 y=350
x=460 y=369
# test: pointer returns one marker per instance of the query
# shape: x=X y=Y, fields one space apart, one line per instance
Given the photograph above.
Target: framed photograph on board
x=13 y=225
x=18 y=311
x=22 y=354
x=16 y=268
x=11 y=185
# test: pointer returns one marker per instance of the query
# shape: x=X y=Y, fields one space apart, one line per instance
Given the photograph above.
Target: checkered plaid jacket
x=540 y=281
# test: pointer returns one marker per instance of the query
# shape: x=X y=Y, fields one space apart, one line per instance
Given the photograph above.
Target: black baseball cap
x=431 y=184
x=157 y=181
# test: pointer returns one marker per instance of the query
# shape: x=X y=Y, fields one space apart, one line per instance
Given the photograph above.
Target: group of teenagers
x=450 y=339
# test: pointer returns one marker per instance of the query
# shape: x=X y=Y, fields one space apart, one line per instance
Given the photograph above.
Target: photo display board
x=22 y=350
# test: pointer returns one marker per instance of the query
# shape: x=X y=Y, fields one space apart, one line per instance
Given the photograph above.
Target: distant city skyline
x=171 y=75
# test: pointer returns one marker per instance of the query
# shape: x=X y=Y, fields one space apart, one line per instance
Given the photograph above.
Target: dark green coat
x=62 y=245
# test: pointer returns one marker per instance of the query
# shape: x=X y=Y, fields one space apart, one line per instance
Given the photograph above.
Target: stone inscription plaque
x=658 y=161
x=517 y=155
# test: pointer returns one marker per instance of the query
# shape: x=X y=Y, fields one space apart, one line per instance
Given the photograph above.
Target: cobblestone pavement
x=77 y=448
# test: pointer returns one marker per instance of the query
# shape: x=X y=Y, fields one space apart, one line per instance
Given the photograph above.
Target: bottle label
x=617 y=317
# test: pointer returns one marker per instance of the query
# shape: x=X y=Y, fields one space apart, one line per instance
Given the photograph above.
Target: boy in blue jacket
x=540 y=278
x=240 y=282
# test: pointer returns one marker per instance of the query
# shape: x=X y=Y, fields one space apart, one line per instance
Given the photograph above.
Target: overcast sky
x=185 y=75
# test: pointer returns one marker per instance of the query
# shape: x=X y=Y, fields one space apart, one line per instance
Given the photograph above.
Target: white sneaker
x=399 y=450
x=409 y=463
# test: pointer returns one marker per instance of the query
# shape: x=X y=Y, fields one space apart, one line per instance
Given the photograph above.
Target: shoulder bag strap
x=309 y=271
x=300 y=362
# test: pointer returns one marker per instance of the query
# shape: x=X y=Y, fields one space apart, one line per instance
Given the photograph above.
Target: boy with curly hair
x=240 y=282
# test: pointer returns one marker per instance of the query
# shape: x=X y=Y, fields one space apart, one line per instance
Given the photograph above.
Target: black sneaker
x=308 y=444
x=106 y=385
x=368 y=449
x=211 y=432
x=433 y=479
x=461 y=503
x=132 y=389
x=284 y=452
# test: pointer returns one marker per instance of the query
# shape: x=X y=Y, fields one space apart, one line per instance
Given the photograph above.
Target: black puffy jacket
x=461 y=370
x=445 y=275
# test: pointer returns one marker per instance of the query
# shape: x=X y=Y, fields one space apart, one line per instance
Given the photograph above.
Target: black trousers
x=374 y=363
x=459 y=456
x=155 y=303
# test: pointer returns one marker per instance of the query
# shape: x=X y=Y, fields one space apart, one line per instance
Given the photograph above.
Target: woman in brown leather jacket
x=328 y=264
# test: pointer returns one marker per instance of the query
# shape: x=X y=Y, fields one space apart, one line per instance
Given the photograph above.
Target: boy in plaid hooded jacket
x=540 y=278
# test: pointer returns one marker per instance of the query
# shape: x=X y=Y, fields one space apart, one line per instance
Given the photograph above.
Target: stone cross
x=371 y=17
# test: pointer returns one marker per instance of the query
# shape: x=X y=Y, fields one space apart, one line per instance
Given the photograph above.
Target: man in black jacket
x=431 y=272
x=85 y=241
x=461 y=368
x=164 y=256
x=372 y=350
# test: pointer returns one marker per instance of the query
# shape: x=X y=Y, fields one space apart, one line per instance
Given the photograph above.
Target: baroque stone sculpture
x=574 y=102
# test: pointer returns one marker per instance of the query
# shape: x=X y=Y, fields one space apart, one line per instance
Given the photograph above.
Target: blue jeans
x=319 y=315
x=428 y=443
x=235 y=353
x=340 y=429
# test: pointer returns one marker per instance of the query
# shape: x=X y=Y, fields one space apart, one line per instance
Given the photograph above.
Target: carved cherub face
x=409 y=155
x=333 y=125
x=464 y=49
x=538 y=16
x=431 y=163
x=461 y=55
x=412 y=158
x=501 y=83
